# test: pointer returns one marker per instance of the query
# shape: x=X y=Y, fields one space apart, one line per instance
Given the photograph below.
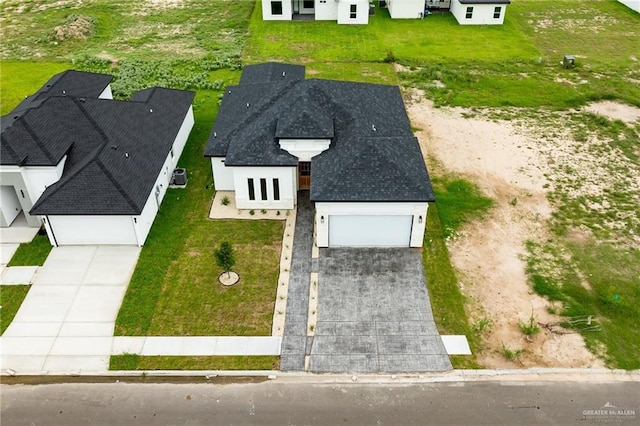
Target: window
x=276 y=8
x=305 y=168
x=252 y=191
x=308 y=4
x=263 y=189
x=353 y=11
x=496 y=12
x=276 y=189
x=469 y=14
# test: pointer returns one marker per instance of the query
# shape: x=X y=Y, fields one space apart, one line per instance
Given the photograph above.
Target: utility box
x=180 y=177
x=569 y=61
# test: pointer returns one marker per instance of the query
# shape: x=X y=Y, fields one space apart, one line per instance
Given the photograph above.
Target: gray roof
x=115 y=149
x=367 y=125
x=271 y=72
x=77 y=84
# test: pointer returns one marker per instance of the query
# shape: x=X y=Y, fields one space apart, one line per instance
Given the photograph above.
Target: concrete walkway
x=294 y=342
x=66 y=322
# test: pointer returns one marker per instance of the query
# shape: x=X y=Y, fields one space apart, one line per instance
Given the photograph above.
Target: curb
x=454 y=376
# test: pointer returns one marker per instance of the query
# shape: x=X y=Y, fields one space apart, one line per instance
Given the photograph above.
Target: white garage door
x=370 y=231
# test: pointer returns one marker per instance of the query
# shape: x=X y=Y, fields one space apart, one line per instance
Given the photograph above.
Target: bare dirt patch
x=509 y=165
x=615 y=111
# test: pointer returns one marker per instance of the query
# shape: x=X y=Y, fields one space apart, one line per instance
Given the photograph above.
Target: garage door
x=370 y=231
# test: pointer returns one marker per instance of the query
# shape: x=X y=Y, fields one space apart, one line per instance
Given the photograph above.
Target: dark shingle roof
x=115 y=149
x=373 y=155
x=72 y=83
x=271 y=72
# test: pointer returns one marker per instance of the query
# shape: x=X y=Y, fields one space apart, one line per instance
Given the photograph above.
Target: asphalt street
x=282 y=403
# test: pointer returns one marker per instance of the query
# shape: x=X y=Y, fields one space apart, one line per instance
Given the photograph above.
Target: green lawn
x=33 y=253
x=136 y=362
x=11 y=297
x=174 y=289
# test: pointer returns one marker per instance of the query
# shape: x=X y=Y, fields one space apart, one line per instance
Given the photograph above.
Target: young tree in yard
x=224 y=257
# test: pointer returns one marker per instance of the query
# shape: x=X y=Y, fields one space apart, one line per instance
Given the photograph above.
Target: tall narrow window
x=263 y=189
x=353 y=11
x=276 y=189
x=496 y=12
x=469 y=14
x=276 y=8
x=252 y=191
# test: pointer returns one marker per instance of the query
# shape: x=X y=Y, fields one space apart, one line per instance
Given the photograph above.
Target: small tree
x=224 y=257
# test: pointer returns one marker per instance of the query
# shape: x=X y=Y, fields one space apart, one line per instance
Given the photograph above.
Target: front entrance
x=304 y=175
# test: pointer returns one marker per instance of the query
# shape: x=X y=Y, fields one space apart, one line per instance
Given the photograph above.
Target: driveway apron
x=374 y=314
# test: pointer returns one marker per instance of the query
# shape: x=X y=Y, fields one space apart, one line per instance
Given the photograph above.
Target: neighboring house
x=343 y=11
x=479 y=12
x=93 y=170
x=349 y=144
x=467 y=12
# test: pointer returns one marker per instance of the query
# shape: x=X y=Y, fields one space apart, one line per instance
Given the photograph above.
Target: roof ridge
x=35 y=137
x=115 y=183
x=91 y=120
x=262 y=109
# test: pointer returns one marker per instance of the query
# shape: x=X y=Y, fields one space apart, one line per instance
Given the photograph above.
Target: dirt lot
x=516 y=169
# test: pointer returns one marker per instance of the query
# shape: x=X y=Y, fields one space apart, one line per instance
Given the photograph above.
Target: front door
x=304 y=175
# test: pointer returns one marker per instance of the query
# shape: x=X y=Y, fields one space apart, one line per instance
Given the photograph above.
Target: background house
x=93 y=170
x=343 y=11
x=479 y=12
x=349 y=144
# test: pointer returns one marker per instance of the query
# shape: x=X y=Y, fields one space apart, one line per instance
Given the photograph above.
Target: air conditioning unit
x=179 y=177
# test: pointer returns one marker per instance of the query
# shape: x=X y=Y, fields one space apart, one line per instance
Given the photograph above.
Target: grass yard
x=11 y=297
x=174 y=289
x=458 y=201
x=136 y=362
x=33 y=253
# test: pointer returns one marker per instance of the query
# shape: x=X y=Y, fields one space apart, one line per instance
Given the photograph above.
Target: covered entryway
x=370 y=231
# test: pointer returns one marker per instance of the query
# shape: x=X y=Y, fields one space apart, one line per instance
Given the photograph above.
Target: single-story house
x=343 y=11
x=350 y=144
x=479 y=12
x=93 y=170
x=467 y=12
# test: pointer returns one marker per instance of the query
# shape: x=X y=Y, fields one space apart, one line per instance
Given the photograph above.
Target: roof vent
x=229 y=92
x=215 y=135
x=283 y=73
x=83 y=100
x=64 y=92
x=373 y=127
x=48 y=85
x=247 y=104
x=113 y=147
x=126 y=155
x=151 y=110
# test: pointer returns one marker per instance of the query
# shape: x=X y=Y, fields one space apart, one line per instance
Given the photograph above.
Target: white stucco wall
x=344 y=12
x=633 y=4
x=222 y=175
x=287 y=181
x=482 y=13
x=326 y=10
x=286 y=11
x=9 y=205
x=405 y=9
x=326 y=210
x=304 y=149
x=12 y=176
x=182 y=137
x=106 y=93
x=38 y=178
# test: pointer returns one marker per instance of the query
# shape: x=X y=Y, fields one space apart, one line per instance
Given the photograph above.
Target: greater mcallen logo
x=609 y=412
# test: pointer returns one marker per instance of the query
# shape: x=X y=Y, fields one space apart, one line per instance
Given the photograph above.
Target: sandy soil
x=489 y=255
x=615 y=111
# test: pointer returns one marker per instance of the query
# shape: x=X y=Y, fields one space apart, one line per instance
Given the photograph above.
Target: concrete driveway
x=374 y=314
x=66 y=322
